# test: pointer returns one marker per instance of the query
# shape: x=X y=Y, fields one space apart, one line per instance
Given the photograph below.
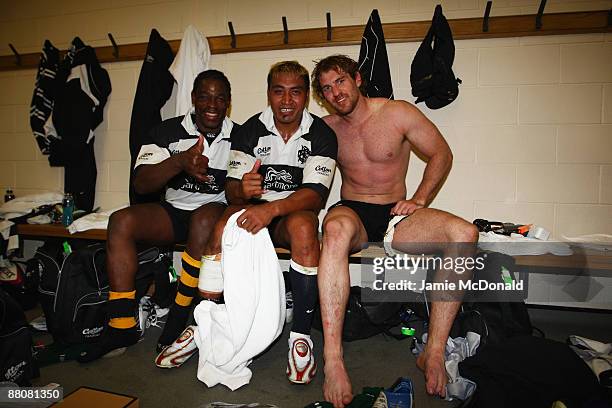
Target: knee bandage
x=211 y=277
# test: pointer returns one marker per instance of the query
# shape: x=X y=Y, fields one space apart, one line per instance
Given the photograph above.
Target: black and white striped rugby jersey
x=307 y=160
x=176 y=135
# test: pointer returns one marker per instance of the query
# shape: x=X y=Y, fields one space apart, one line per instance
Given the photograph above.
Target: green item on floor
x=364 y=400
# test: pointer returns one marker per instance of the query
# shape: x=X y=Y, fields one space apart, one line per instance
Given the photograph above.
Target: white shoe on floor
x=301 y=364
x=179 y=351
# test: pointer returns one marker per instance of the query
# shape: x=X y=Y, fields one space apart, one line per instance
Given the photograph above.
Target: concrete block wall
x=531 y=130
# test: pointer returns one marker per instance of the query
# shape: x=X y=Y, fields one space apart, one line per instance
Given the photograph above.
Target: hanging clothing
x=229 y=335
x=153 y=90
x=192 y=58
x=373 y=60
x=45 y=89
x=83 y=87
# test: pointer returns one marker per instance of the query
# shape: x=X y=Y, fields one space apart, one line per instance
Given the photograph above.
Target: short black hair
x=289 y=67
x=212 y=74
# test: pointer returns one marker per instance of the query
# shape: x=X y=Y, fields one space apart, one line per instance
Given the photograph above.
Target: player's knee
x=338 y=229
x=202 y=221
x=303 y=226
x=464 y=231
x=121 y=225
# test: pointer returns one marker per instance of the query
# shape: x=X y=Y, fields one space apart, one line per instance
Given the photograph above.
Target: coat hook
x=539 y=15
x=232 y=33
x=485 y=19
x=17 y=56
x=329 y=27
x=115 y=46
x=285 y=31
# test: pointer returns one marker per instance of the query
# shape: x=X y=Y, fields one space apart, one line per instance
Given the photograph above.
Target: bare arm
x=153 y=177
x=427 y=139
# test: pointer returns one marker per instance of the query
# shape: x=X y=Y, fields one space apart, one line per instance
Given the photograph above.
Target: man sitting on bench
x=282 y=163
x=189 y=156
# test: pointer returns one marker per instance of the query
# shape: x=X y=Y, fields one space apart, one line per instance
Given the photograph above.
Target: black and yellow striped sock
x=188 y=283
x=121 y=307
x=179 y=311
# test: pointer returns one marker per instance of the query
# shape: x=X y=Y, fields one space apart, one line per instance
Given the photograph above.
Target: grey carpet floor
x=377 y=361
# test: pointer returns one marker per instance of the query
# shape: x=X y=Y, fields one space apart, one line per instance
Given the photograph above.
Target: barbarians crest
x=303 y=154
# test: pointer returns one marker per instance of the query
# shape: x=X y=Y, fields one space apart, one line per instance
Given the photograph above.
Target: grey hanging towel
x=154 y=88
x=44 y=95
x=431 y=73
x=373 y=60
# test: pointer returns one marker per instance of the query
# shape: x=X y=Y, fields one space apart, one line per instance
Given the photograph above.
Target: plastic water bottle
x=67 y=209
x=8 y=196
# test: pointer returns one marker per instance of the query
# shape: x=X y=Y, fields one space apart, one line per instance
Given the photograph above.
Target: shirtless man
x=375 y=138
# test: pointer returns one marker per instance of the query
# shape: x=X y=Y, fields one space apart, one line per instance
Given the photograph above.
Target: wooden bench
x=582 y=262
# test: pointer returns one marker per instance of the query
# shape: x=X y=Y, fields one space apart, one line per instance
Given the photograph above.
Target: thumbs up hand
x=252 y=182
x=193 y=161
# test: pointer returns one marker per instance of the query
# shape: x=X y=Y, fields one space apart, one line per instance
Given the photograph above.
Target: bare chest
x=370 y=144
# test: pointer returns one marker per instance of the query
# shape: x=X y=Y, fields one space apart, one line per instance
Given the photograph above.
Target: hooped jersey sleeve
x=320 y=166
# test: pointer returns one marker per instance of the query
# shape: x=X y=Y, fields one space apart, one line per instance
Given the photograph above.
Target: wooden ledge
x=463 y=28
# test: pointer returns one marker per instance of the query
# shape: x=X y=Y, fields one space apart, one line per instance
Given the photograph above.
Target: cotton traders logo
x=322 y=170
x=145 y=156
x=273 y=175
x=15 y=371
x=94 y=331
x=264 y=151
x=303 y=154
x=234 y=164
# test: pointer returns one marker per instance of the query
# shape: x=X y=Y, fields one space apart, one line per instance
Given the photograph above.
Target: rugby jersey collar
x=267 y=118
x=192 y=129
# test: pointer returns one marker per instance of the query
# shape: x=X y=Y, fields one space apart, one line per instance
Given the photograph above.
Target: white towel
x=93 y=221
x=192 y=58
x=231 y=334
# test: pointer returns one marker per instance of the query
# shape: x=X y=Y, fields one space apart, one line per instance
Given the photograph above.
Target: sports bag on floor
x=74 y=289
x=16 y=362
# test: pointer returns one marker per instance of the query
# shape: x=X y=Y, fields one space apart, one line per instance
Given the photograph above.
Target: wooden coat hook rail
x=463 y=28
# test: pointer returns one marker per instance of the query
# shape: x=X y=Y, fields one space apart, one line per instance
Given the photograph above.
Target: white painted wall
x=531 y=130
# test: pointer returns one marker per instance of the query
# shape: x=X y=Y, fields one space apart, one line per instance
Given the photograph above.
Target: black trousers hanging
x=153 y=90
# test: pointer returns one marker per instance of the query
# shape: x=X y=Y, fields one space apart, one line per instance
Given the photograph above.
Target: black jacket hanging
x=373 y=60
x=43 y=98
x=154 y=88
x=431 y=74
x=83 y=88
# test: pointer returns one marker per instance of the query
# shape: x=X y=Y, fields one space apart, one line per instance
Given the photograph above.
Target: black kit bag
x=16 y=362
x=495 y=315
x=74 y=289
x=21 y=282
x=431 y=75
x=364 y=319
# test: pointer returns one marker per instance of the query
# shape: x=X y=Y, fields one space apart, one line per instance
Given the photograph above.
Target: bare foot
x=337 y=385
x=432 y=365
